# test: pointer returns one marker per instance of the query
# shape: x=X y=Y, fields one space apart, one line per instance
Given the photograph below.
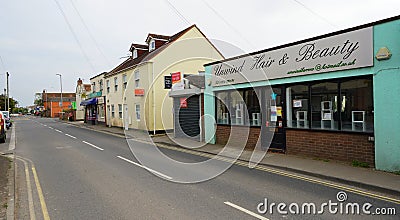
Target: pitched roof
x=146 y=56
x=196 y=80
x=157 y=36
x=139 y=46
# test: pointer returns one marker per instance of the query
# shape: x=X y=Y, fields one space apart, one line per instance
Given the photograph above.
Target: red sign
x=176 y=77
x=183 y=102
x=139 y=92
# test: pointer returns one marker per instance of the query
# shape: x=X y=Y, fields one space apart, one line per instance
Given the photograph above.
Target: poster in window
x=183 y=102
x=327 y=116
x=297 y=103
x=274 y=116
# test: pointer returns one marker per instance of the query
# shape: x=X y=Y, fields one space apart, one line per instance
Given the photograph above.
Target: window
x=152 y=45
x=115 y=84
x=346 y=104
x=357 y=105
x=101 y=85
x=94 y=86
x=238 y=107
x=222 y=109
x=137 y=111
x=119 y=110
x=134 y=54
x=108 y=86
x=137 y=79
x=297 y=106
x=124 y=81
x=324 y=106
x=253 y=107
x=112 y=111
x=101 y=111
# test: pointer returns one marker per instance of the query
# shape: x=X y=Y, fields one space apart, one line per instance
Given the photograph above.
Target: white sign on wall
x=340 y=52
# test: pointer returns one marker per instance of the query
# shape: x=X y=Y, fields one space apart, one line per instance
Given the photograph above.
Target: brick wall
x=223 y=133
x=331 y=145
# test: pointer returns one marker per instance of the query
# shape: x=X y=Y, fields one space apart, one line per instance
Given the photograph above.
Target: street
x=66 y=172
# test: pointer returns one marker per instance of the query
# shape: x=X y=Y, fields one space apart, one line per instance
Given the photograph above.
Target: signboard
x=139 y=92
x=100 y=100
x=177 y=81
x=73 y=105
x=95 y=94
x=167 y=82
x=183 y=102
x=340 y=52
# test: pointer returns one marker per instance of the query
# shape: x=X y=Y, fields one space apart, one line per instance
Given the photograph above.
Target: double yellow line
x=26 y=163
x=287 y=174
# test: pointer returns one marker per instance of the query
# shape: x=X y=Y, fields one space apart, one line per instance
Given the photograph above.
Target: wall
x=387 y=98
x=331 y=145
x=224 y=131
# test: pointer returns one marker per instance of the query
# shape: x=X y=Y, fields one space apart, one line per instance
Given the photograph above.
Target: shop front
x=326 y=97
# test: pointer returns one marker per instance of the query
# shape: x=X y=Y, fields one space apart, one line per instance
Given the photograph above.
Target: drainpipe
x=154 y=101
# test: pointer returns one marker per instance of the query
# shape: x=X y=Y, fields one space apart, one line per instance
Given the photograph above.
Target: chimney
x=79 y=81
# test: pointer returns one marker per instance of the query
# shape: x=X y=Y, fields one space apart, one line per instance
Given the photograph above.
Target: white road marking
x=58 y=130
x=148 y=169
x=92 y=145
x=51 y=128
x=245 y=211
x=70 y=136
x=44 y=125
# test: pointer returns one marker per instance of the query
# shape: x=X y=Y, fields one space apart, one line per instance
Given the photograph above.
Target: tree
x=13 y=103
x=38 y=99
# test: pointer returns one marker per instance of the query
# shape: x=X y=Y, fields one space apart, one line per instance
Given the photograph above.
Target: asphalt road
x=84 y=174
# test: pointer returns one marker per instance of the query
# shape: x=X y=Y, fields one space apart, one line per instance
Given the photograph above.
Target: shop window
x=112 y=111
x=222 y=99
x=297 y=99
x=119 y=110
x=237 y=108
x=253 y=107
x=137 y=111
x=101 y=111
x=324 y=106
x=357 y=105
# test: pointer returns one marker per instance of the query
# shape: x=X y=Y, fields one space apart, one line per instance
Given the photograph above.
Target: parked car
x=7 y=119
x=2 y=128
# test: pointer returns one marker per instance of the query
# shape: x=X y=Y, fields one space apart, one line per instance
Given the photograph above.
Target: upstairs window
x=137 y=79
x=115 y=84
x=94 y=87
x=134 y=54
x=108 y=86
x=101 y=85
x=124 y=81
x=152 y=45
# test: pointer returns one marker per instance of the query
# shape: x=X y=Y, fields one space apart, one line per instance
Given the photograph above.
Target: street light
x=61 y=99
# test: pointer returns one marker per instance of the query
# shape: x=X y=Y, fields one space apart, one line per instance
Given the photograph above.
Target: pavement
x=367 y=178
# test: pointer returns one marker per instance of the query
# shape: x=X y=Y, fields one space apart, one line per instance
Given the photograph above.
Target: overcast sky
x=81 y=38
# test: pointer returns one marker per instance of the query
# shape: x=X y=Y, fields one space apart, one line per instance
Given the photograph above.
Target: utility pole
x=5 y=100
x=61 y=98
x=8 y=94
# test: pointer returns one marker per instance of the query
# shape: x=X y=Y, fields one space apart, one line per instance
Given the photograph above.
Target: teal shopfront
x=335 y=96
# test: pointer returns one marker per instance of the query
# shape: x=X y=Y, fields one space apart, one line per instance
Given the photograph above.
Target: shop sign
x=183 y=102
x=167 y=82
x=340 y=52
x=139 y=92
x=100 y=100
x=95 y=94
x=177 y=81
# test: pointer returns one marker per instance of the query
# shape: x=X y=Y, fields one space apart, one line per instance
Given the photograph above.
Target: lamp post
x=61 y=98
x=5 y=100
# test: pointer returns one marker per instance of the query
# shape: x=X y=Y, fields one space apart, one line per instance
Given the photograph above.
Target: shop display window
x=297 y=106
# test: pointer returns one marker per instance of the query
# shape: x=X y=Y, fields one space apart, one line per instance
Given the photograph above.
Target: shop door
x=187 y=116
x=273 y=130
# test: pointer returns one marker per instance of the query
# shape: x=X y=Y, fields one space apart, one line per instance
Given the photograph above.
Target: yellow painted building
x=135 y=94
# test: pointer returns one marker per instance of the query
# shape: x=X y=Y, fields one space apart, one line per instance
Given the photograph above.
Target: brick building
x=51 y=103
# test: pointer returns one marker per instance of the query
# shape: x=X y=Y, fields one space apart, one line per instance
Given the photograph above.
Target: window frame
x=108 y=85
x=112 y=111
x=120 y=111
x=137 y=113
x=124 y=81
x=116 y=84
x=137 y=78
